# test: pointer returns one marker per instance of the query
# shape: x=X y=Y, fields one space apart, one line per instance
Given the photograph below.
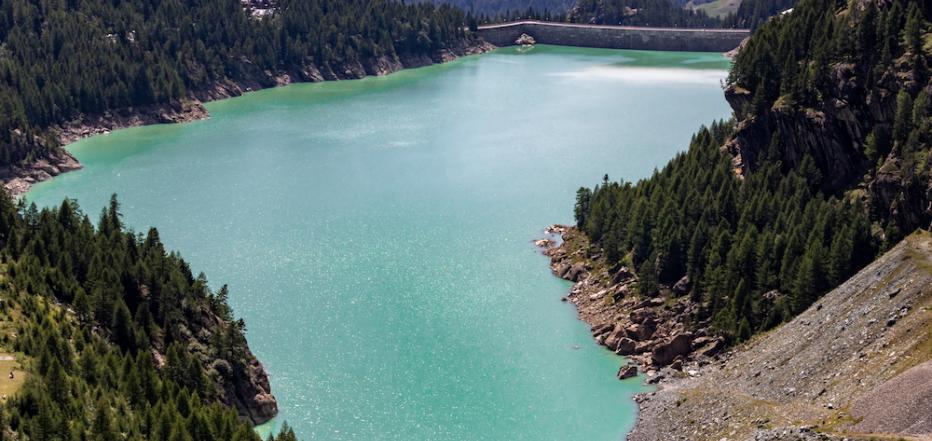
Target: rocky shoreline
x=848 y=368
x=653 y=333
x=18 y=179
x=244 y=385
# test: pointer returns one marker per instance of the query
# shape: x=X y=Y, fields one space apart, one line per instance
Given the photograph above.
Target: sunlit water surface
x=376 y=234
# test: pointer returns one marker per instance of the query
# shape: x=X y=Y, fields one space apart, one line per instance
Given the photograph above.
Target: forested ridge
x=665 y=13
x=826 y=164
x=63 y=58
x=120 y=340
x=753 y=13
x=504 y=8
x=750 y=13
x=641 y=13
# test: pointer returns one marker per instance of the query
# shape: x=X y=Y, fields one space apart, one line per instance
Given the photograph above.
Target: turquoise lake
x=376 y=234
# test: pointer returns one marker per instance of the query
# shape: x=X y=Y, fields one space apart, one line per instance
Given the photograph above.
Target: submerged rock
x=627 y=371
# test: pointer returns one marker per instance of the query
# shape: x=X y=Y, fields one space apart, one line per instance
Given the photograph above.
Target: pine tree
x=867 y=35
x=102 y=428
x=902 y=122
x=583 y=196
x=912 y=31
x=121 y=325
x=806 y=283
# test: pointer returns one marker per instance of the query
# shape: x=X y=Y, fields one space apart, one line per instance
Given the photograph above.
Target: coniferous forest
x=121 y=340
x=666 y=13
x=641 y=13
x=501 y=9
x=827 y=164
x=63 y=58
x=118 y=339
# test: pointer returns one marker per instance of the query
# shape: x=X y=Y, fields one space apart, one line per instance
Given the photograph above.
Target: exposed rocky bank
x=239 y=380
x=853 y=366
x=655 y=334
x=18 y=179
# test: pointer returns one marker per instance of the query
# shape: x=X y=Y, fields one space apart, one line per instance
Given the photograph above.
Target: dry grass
x=10 y=314
x=8 y=386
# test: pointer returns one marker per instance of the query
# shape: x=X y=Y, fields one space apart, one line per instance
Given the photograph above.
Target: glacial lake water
x=376 y=234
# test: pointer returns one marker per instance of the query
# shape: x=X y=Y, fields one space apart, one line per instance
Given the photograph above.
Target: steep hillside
x=640 y=13
x=851 y=93
x=855 y=363
x=826 y=164
x=745 y=14
x=116 y=338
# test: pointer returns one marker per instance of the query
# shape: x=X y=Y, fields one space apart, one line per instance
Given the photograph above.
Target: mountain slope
x=849 y=89
x=827 y=163
x=118 y=339
x=841 y=366
x=102 y=65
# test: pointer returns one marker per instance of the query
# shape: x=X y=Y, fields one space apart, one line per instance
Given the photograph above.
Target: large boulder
x=561 y=269
x=709 y=347
x=576 y=272
x=622 y=275
x=598 y=330
x=642 y=315
x=645 y=347
x=639 y=332
x=666 y=352
x=611 y=341
x=250 y=394
x=682 y=286
x=625 y=346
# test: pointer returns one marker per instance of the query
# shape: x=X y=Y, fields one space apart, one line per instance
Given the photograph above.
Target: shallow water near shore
x=376 y=234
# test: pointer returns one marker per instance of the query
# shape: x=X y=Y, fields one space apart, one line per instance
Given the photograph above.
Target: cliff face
x=834 y=133
x=238 y=378
x=250 y=392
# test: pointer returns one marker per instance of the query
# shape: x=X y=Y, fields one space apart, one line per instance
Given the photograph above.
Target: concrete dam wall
x=615 y=37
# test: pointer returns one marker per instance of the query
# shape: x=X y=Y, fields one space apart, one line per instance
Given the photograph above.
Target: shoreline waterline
x=376 y=234
x=192 y=108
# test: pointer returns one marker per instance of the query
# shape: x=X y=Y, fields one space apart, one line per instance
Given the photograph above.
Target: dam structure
x=615 y=37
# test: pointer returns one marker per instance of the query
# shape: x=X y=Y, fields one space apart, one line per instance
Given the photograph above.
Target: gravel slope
x=830 y=368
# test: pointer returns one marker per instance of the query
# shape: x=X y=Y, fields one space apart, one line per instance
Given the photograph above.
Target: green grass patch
x=719 y=8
